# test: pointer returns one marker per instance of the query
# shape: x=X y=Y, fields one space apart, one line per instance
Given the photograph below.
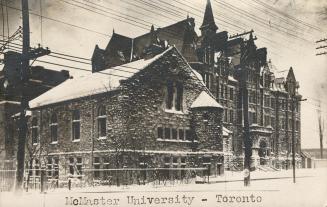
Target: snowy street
x=267 y=189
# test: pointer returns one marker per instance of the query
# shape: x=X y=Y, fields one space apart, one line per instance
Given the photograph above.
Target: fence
x=37 y=179
x=7 y=175
x=143 y=176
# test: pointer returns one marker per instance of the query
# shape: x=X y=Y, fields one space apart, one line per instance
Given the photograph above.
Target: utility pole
x=243 y=75
x=247 y=139
x=321 y=47
x=24 y=100
x=27 y=55
x=293 y=135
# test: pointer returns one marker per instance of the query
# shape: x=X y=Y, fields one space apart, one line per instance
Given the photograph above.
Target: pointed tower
x=208 y=24
x=291 y=83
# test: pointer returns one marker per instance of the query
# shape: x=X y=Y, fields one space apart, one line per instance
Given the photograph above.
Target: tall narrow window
x=54 y=128
x=35 y=131
x=102 y=122
x=174 y=98
x=179 y=97
x=231 y=94
x=76 y=125
x=170 y=95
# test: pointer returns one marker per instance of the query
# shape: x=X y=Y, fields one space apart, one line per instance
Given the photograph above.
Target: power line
x=57 y=53
x=90 y=10
x=72 y=67
x=261 y=20
x=62 y=22
x=287 y=15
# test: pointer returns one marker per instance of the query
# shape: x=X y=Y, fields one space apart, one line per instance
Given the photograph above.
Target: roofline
x=74 y=99
x=100 y=93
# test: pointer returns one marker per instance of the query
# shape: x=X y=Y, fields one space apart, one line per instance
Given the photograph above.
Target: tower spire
x=208 y=23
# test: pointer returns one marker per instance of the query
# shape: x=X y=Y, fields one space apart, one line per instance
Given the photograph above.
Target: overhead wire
x=62 y=22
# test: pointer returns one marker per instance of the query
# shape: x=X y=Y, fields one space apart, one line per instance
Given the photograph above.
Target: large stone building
x=222 y=61
x=146 y=105
x=150 y=113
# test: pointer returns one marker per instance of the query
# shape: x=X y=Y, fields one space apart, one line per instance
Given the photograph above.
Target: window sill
x=102 y=138
x=173 y=111
x=56 y=142
x=76 y=140
x=174 y=140
x=35 y=144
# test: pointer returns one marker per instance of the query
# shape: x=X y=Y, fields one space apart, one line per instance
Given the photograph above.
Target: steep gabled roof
x=95 y=83
x=99 y=82
x=204 y=100
x=176 y=34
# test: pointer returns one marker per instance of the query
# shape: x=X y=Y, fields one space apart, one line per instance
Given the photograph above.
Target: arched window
x=54 y=128
x=76 y=125
x=102 y=122
x=174 y=97
x=35 y=132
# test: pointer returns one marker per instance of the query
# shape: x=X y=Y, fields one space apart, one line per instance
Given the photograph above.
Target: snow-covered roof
x=205 y=100
x=95 y=83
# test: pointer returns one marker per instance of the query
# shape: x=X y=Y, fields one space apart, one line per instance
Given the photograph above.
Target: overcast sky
x=288 y=28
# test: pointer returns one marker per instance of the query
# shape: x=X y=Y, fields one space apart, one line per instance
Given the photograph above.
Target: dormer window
x=174 y=96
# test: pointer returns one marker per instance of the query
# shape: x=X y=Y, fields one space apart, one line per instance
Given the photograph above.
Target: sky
x=288 y=28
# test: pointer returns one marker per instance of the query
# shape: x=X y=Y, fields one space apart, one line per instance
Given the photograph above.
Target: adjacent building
x=40 y=81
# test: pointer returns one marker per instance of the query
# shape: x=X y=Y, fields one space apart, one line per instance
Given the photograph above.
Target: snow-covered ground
x=310 y=190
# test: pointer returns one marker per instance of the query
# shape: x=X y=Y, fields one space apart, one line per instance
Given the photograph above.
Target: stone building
x=222 y=60
x=41 y=80
x=154 y=112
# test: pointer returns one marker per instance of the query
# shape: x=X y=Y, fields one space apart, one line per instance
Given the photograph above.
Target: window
x=75 y=166
x=181 y=134
x=167 y=133
x=273 y=105
x=54 y=128
x=175 y=162
x=53 y=167
x=208 y=80
x=49 y=167
x=102 y=122
x=221 y=91
x=231 y=116
x=35 y=132
x=71 y=165
x=160 y=132
x=188 y=135
x=96 y=165
x=56 y=167
x=273 y=122
x=76 y=124
x=174 y=99
x=231 y=94
x=174 y=133
x=267 y=120
x=79 y=165
x=225 y=115
x=37 y=167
